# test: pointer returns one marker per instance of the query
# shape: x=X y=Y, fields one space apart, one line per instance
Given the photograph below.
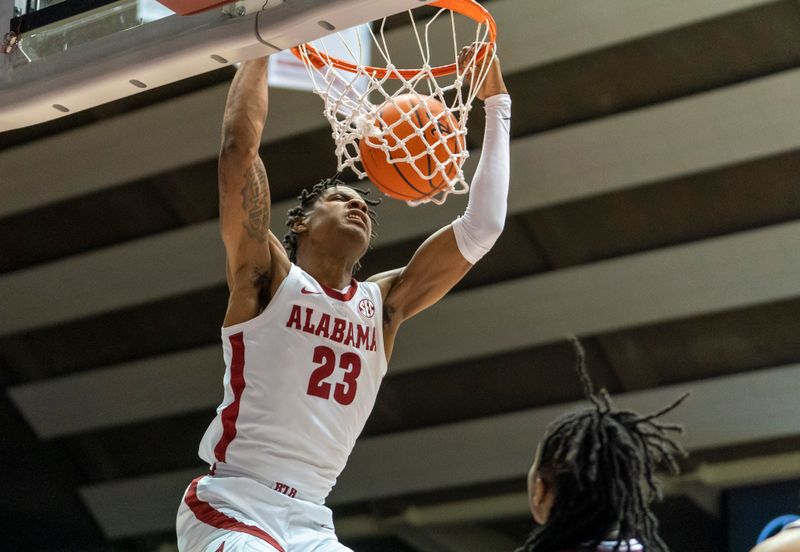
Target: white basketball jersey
x=300 y=381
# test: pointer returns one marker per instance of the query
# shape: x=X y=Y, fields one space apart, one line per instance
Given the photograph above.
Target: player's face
x=341 y=213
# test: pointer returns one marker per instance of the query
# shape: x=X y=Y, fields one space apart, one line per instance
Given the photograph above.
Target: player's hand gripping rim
x=493 y=83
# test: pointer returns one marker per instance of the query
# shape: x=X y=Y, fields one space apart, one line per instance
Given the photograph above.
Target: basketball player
x=592 y=481
x=788 y=540
x=305 y=344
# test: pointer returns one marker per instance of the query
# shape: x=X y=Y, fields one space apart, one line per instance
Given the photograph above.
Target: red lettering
x=338 y=330
x=308 y=326
x=345 y=392
x=363 y=336
x=341 y=330
x=283 y=488
x=294 y=318
x=324 y=324
x=349 y=339
x=317 y=386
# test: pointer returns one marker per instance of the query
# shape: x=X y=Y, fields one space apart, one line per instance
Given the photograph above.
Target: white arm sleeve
x=482 y=222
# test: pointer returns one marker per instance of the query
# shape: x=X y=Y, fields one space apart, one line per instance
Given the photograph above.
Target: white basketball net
x=353 y=116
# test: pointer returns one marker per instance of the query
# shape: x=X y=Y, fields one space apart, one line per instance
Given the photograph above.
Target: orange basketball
x=401 y=180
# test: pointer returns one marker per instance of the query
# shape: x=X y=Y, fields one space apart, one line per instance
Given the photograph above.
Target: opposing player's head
x=594 y=474
x=332 y=218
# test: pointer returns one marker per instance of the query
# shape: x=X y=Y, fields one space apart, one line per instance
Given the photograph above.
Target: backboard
x=94 y=62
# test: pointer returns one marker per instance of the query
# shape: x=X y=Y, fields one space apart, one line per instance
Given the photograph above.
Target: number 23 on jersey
x=343 y=393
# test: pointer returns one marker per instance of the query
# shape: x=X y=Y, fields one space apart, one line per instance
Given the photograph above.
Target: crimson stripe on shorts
x=231 y=412
x=208 y=515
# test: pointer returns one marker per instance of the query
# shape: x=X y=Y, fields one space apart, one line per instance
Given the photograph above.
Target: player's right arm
x=244 y=200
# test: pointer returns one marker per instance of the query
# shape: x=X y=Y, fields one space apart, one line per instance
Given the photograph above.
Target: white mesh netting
x=355 y=94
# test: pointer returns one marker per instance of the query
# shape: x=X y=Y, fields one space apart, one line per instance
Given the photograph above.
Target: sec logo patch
x=366 y=308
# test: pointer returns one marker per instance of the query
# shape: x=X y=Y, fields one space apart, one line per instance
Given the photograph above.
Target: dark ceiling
x=666 y=206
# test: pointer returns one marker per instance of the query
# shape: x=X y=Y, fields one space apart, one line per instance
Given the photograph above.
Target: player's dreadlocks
x=308 y=198
x=601 y=462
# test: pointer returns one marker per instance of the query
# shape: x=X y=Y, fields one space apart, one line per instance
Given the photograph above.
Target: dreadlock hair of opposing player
x=307 y=199
x=601 y=462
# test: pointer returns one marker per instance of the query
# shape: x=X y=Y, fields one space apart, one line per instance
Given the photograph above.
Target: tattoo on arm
x=255 y=202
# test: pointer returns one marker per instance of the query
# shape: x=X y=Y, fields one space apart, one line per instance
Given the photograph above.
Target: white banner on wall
x=151 y=10
x=286 y=71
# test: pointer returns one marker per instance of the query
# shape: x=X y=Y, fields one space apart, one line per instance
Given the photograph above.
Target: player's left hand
x=493 y=83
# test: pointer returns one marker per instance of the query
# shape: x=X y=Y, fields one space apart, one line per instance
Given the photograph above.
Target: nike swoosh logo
x=305 y=291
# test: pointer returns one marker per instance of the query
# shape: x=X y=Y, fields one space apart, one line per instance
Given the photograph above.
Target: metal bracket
x=235 y=9
x=244 y=7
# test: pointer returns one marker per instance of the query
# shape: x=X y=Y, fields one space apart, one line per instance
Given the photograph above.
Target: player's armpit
x=385 y=281
x=435 y=268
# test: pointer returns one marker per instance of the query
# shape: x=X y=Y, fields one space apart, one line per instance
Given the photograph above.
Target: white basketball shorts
x=237 y=514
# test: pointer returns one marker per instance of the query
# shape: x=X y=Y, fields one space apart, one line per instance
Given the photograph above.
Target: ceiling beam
x=417 y=540
x=123 y=394
x=459 y=512
x=745 y=471
x=460 y=538
x=558 y=30
x=728 y=272
x=502 y=447
x=703 y=132
x=482 y=451
x=703 y=486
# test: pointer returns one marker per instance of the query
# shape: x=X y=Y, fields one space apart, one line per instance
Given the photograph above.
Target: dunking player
x=306 y=345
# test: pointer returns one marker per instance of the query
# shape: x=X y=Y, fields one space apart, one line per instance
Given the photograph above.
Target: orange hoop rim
x=468 y=8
